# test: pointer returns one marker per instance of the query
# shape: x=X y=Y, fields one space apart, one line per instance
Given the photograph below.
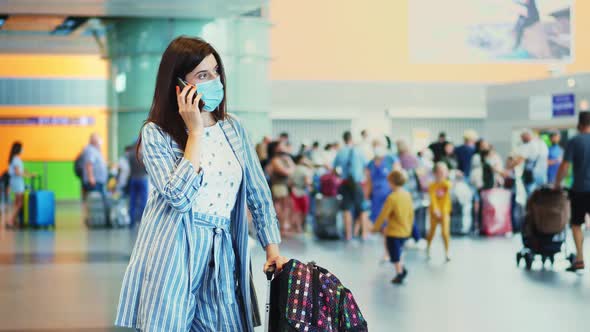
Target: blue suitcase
x=41 y=208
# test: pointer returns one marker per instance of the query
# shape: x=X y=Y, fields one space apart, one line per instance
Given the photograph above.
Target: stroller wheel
x=544 y=260
x=528 y=259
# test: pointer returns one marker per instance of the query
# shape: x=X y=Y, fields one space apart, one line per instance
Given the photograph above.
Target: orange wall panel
x=53 y=66
x=50 y=143
x=368 y=40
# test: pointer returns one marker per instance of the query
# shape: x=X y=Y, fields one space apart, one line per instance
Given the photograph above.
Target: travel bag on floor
x=496 y=211
x=41 y=205
x=96 y=210
x=420 y=221
x=118 y=211
x=306 y=297
x=328 y=223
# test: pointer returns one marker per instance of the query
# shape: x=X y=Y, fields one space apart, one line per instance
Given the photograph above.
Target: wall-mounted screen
x=479 y=31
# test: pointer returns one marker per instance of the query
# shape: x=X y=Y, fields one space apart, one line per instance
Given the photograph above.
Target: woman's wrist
x=195 y=133
x=272 y=250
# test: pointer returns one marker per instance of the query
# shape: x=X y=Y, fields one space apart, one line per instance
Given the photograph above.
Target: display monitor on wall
x=480 y=31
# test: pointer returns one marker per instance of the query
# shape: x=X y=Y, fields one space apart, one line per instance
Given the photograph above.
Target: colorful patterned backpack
x=308 y=298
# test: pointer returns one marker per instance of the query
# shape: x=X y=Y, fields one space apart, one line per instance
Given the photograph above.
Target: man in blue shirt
x=465 y=152
x=577 y=154
x=555 y=156
x=351 y=162
x=95 y=172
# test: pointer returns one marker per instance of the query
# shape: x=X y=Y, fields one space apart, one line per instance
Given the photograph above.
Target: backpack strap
x=315 y=285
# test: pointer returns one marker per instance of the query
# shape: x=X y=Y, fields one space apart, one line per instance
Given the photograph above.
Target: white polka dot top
x=222 y=175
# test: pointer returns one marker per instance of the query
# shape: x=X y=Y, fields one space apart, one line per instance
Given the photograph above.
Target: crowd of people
x=125 y=179
x=378 y=180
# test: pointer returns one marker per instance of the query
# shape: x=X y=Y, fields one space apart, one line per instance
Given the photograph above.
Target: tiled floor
x=69 y=279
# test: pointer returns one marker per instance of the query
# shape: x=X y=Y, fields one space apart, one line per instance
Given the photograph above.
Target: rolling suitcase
x=420 y=206
x=328 y=219
x=97 y=211
x=420 y=221
x=496 y=212
x=118 y=212
x=41 y=206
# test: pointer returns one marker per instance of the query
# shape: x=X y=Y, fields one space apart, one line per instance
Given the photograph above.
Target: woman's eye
x=202 y=76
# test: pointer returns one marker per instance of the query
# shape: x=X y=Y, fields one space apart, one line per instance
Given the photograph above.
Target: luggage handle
x=269 y=274
x=36 y=183
x=315 y=281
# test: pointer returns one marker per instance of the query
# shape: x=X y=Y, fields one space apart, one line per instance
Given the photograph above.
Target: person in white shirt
x=533 y=154
x=366 y=145
x=329 y=154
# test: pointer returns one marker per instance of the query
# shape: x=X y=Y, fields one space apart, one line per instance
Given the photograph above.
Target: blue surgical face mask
x=212 y=94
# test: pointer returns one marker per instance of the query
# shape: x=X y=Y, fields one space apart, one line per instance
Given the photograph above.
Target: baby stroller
x=544 y=229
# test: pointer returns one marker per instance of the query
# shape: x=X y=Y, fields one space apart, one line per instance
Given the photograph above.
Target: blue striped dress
x=189 y=271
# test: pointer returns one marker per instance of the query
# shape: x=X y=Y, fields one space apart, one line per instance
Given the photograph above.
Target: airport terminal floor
x=69 y=280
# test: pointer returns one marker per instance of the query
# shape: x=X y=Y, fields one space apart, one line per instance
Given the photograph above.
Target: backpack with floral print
x=306 y=297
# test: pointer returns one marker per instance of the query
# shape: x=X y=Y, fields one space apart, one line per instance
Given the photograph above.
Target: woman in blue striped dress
x=190 y=267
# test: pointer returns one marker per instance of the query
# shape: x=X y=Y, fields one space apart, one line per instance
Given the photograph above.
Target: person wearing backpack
x=351 y=161
x=95 y=172
x=577 y=155
x=534 y=154
x=79 y=172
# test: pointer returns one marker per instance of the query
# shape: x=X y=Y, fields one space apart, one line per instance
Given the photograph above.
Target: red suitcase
x=496 y=216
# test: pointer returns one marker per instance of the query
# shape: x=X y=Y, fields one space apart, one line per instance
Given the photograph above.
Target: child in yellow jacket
x=440 y=206
x=398 y=210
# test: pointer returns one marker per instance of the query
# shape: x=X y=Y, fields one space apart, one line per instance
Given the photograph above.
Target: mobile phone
x=182 y=84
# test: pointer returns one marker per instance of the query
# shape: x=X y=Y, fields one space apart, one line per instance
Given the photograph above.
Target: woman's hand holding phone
x=188 y=106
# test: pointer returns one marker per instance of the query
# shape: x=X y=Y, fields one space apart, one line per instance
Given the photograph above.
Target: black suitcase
x=420 y=219
x=328 y=219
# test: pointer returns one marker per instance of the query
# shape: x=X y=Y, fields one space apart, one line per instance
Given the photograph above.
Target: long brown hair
x=180 y=58
x=15 y=150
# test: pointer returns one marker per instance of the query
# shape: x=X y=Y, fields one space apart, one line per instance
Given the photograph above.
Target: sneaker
x=404 y=273
x=411 y=244
x=576 y=266
x=398 y=279
x=448 y=259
